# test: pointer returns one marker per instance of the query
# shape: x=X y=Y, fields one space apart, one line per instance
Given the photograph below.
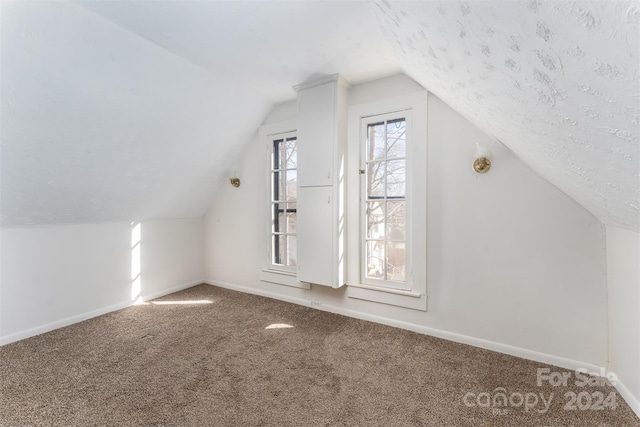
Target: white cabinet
x=322 y=130
x=316 y=117
x=315 y=251
x=322 y=134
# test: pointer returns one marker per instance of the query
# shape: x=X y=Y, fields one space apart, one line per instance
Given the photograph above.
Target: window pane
x=375 y=259
x=396 y=178
x=278 y=249
x=396 y=261
x=292 y=221
x=375 y=220
x=291 y=251
x=274 y=218
x=396 y=139
x=276 y=159
x=375 y=179
x=284 y=180
x=282 y=155
x=282 y=187
x=396 y=219
x=376 y=142
x=277 y=190
x=274 y=186
x=279 y=218
x=291 y=154
x=386 y=221
x=292 y=180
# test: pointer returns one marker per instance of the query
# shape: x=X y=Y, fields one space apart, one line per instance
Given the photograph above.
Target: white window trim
x=281 y=277
x=415 y=294
x=269 y=272
x=284 y=136
x=373 y=283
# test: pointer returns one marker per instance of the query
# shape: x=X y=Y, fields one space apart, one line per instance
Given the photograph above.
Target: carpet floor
x=208 y=356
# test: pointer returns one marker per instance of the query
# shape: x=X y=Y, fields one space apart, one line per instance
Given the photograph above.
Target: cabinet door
x=315 y=235
x=316 y=135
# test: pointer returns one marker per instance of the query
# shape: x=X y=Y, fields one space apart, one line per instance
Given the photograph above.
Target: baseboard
x=62 y=323
x=172 y=290
x=535 y=356
x=632 y=401
x=532 y=355
x=88 y=315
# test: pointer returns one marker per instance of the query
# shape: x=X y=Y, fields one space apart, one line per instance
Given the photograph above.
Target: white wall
x=172 y=254
x=623 y=271
x=57 y=275
x=513 y=263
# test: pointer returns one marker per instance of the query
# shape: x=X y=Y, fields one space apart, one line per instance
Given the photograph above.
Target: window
x=384 y=208
x=387 y=203
x=279 y=142
x=284 y=201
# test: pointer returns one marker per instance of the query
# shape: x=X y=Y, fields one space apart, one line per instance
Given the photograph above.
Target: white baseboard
x=549 y=359
x=88 y=315
x=62 y=323
x=172 y=290
x=535 y=356
x=632 y=401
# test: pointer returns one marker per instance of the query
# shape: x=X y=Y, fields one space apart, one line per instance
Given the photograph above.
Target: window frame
x=365 y=122
x=414 y=293
x=277 y=199
x=274 y=273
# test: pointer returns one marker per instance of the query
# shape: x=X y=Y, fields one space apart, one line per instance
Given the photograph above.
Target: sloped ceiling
x=101 y=125
x=136 y=110
x=265 y=46
x=558 y=82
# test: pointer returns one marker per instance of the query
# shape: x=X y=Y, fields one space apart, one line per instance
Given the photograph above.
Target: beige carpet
x=224 y=364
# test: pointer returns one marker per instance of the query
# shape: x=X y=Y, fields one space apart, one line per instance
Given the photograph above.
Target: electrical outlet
x=316 y=304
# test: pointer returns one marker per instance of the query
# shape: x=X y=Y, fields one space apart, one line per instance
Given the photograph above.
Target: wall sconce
x=233 y=178
x=482 y=164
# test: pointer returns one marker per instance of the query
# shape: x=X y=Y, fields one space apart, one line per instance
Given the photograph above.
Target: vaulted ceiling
x=137 y=110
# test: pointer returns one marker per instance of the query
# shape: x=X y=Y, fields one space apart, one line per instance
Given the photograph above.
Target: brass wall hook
x=482 y=165
x=235 y=182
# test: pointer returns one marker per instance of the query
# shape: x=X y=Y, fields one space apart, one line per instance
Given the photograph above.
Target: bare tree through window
x=284 y=201
x=385 y=239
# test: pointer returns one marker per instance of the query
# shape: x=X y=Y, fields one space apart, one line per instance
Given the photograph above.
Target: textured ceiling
x=558 y=82
x=136 y=110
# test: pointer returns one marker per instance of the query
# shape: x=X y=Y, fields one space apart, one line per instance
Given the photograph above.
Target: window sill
x=390 y=296
x=285 y=278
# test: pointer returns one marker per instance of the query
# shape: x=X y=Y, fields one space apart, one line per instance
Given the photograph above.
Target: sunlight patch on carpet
x=189 y=302
x=279 y=326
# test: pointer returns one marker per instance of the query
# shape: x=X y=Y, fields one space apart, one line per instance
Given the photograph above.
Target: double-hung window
x=385 y=207
x=280 y=143
x=283 y=201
